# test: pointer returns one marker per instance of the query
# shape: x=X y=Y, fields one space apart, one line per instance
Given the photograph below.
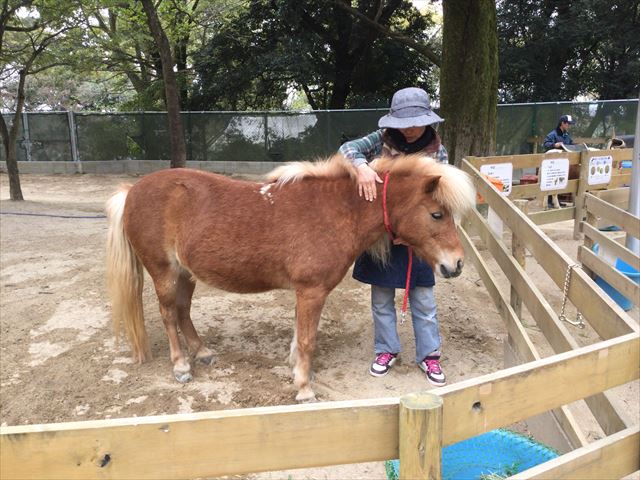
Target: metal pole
x=632 y=243
x=72 y=136
x=26 y=137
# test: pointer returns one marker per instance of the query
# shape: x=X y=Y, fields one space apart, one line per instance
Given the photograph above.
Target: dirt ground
x=59 y=362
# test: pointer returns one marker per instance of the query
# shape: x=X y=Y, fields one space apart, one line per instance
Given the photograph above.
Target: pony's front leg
x=309 y=303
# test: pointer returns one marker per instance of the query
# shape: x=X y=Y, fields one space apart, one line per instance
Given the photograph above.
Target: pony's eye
x=436 y=215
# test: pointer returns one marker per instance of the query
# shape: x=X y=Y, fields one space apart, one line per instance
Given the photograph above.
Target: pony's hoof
x=306 y=395
x=183 y=377
x=307 y=400
x=207 y=360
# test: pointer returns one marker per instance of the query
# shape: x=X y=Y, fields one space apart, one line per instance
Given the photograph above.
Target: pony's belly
x=241 y=283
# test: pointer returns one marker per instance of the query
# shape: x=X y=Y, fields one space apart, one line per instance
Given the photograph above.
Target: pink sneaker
x=382 y=364
x=431 y=366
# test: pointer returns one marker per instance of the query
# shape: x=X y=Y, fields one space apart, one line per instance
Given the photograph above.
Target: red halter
x=387 y=227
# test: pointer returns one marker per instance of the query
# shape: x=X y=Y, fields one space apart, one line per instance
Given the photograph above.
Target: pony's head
x=425 y=200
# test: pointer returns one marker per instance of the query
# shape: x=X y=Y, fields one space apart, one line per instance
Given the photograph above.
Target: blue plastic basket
x=499 y=452
x=624 y=268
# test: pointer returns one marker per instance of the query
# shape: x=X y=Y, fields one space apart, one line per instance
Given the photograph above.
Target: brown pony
x=302 y=231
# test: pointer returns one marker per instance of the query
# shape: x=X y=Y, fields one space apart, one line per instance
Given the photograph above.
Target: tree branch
x=409 y=42
x=10 y=28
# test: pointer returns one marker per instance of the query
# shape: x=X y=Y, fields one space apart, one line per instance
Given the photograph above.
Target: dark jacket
x=393 y=275
x=556 y=135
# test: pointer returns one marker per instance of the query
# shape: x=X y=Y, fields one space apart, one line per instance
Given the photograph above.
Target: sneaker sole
x=436 y=384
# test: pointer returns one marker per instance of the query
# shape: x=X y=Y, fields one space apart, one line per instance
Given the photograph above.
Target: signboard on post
x=554 y=174
x=600 y=169
x=501 y=171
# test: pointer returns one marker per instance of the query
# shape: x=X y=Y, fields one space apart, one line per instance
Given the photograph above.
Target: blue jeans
x=423 y=314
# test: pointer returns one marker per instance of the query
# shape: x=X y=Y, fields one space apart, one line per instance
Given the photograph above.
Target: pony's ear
x=431 y=183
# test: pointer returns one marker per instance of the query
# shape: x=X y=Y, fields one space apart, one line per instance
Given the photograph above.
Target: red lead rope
x=387 y=227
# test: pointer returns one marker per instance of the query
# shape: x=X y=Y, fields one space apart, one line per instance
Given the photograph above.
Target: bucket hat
x=410 y=107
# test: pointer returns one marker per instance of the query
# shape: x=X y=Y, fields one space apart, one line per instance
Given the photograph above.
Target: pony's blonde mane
x=455 y=190
x=333 y=167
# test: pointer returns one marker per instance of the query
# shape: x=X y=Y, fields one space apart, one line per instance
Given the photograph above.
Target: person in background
x=406 y=129
x=555 y=139
x=559 y=135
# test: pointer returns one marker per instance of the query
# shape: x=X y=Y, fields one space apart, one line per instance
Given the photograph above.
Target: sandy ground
x=59 y=362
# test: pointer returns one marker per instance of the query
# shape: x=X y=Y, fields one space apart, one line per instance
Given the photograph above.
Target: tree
x=122 y=44
x=340 y=56
x=172 y=97
x=559 y=50
x=28 y=29
x=469 y=78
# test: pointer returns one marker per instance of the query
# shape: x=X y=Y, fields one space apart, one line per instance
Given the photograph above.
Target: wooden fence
x=578 y=187
x=273 y=438
x=604 y=208
x=538 y=141
x=412 y=428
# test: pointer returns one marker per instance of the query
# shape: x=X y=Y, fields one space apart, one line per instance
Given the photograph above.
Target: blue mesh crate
x=499 y=452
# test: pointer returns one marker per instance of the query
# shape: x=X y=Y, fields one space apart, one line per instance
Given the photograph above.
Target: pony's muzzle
x=449 y=272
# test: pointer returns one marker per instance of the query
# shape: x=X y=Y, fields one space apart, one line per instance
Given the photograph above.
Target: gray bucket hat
x=410 y=107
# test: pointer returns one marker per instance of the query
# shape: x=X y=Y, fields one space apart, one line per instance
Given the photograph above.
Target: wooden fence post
x=420 y=436
x=519 y=253
x=579 y=195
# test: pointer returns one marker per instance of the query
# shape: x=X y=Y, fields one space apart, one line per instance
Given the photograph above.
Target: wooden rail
x=273 y=438
x=538 y=140
x=577 y=187
x=604 y=315
x=597 y=210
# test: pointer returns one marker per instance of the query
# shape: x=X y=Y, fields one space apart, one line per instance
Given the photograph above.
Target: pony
x=301 y=230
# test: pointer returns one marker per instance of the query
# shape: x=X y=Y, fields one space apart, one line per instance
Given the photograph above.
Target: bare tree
x=172 y=96
x=22 y=57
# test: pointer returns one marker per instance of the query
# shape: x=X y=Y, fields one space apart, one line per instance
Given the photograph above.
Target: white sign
x=554 y=174
x=600 y=170
x=501 y=171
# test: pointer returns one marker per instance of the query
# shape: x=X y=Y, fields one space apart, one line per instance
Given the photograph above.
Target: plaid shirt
x=365 y=149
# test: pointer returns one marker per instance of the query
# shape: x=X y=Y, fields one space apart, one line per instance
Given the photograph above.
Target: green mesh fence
x=280 y=136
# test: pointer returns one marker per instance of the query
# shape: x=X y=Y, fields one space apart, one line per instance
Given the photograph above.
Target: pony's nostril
x=459 y=265
x=444 y=271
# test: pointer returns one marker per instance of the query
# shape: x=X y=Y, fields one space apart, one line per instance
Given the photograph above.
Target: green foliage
x=35 y=36
x=256 y=57
x=560 y=50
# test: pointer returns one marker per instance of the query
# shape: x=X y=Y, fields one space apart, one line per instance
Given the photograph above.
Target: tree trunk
x=9 y=138
x=172 y=97
x=469 y=78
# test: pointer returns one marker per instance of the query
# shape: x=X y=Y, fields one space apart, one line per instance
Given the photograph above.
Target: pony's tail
x=125 y=279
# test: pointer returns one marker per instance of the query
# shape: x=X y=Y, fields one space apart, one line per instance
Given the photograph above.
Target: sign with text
x=501 y=171
x=600 y=170
x=554 y=174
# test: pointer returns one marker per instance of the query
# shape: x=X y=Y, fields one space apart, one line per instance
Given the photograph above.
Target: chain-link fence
x=281 y=136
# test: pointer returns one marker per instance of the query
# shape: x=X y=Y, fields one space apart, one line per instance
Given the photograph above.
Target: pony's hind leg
x=184 y=294
x=166 y=283
x=293 y=349
x=309 y=303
